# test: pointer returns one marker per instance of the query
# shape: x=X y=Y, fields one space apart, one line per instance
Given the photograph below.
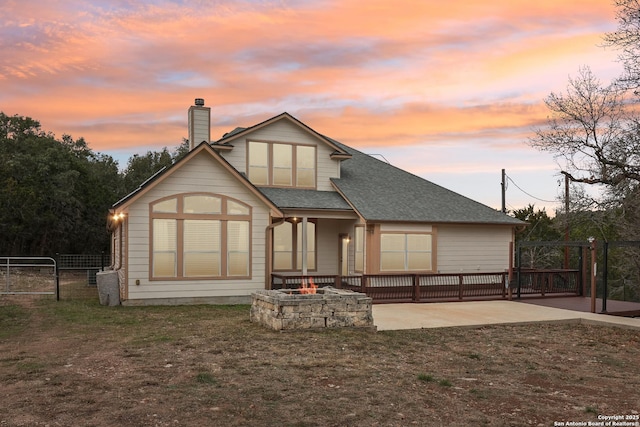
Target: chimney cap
x=199 y=102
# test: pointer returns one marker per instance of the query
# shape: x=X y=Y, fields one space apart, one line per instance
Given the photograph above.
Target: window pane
x=169 y=206
x=283 y=246
x=282 y=261
x=305 y=166
x=258 y=154
x=238 y=236
x=202 y=204
x=306 y=157
x=238 y=264
x=392 y=242
x=164 y=248
x=164 y=234
x=418 y=242
x=238 y=248
x=306 y=178
x=201 y=235
x=282 y=170
x=201 y=264
x=164 y=264
x=201 y=248
x=234 y=208
x=259 y=175
x=259 y=163
x=282 y=156
x=392 y=261
x=419 y=260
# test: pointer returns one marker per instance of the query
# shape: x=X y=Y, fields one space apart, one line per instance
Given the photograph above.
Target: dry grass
x=78 y=363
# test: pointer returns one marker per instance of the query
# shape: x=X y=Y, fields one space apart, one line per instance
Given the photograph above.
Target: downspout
x=269 y=252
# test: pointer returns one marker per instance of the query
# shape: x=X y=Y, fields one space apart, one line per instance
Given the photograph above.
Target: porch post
x=304 y=245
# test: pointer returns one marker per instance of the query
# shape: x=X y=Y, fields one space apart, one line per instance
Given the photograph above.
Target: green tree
x=541 y=228
x=140 y=168
x=54 y=194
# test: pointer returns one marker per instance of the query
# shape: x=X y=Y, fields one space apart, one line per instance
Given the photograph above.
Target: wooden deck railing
x=440 y=287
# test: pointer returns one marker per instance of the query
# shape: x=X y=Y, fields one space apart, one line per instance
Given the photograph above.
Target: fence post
x=605 y=273
x=416 y=288
x=337 y=282
x=460 y=282
x=519 y=271
x=363 y=284
x=57 y=272
x=505 y=284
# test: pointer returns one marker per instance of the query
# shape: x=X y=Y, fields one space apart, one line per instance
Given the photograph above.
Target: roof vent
x=199 y=102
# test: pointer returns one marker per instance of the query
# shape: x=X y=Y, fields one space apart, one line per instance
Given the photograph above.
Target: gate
x=620 y=272
x=28 y=276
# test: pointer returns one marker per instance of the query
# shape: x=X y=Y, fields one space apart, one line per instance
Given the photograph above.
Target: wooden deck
x=583 y=304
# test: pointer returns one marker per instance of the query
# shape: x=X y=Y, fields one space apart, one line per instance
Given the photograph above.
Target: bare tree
x=593 y=129
x=627 y=40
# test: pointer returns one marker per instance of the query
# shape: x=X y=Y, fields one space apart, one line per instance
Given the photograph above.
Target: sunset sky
x=449 y=91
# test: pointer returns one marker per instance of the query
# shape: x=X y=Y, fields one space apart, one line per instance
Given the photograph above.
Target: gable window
x=281 y=164
x=199 y=236
x=406 y=252
x=287 y=246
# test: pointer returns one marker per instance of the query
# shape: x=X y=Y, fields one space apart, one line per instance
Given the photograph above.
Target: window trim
x=180 y=216
x=294 y=164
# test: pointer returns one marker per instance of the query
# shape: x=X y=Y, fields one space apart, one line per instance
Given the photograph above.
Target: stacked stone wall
x=332 y=308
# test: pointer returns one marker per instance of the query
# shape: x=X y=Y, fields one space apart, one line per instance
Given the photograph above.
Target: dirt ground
x=76 y=363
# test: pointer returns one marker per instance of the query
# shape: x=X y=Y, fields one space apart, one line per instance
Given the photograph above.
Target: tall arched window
x=200 y=236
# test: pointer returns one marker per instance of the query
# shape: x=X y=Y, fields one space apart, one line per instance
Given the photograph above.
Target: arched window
x=200 y=236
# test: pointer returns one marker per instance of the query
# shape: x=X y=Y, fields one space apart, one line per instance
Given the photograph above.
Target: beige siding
x=201 y=174
x=472 y=248
x=199 y=124
x=285 y=131
x=328 y=233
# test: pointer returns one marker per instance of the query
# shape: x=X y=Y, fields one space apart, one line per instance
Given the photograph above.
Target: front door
x=343 y=254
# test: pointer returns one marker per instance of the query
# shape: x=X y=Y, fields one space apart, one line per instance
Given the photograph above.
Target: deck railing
x=543 y=282
x=440 y=287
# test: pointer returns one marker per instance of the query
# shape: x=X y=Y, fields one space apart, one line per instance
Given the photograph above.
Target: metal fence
x=67 y=276
x=28 y=276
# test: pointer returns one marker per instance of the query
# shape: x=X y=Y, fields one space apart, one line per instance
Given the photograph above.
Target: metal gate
x=28 y=276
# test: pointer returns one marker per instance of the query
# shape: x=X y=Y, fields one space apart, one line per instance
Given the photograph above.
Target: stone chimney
x=199 y=123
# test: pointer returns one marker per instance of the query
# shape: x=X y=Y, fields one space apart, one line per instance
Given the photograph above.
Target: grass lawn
x=78 y=363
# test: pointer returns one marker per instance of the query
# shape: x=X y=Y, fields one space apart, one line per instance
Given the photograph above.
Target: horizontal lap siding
x=284 y=131
x=201 y=174
x=328 y=233
x=473 y=248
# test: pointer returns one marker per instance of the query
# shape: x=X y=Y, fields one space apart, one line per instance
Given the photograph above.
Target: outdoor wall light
x=591 y=239
x=118 y=217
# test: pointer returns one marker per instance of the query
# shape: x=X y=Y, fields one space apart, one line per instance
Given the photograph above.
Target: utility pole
x=504 y=190
x=566 y=219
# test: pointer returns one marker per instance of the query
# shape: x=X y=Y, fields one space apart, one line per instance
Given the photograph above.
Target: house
x=280 y=198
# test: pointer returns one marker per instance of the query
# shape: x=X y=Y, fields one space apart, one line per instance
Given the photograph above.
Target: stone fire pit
x=287 y=309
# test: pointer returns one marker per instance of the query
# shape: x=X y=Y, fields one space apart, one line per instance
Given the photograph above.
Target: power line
x=528 y=194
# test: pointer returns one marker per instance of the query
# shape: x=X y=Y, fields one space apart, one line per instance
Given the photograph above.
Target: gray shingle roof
x=382 y=192
x=288 y=198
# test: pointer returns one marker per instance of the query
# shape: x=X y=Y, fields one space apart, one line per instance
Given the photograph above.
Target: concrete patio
x=483 y=313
